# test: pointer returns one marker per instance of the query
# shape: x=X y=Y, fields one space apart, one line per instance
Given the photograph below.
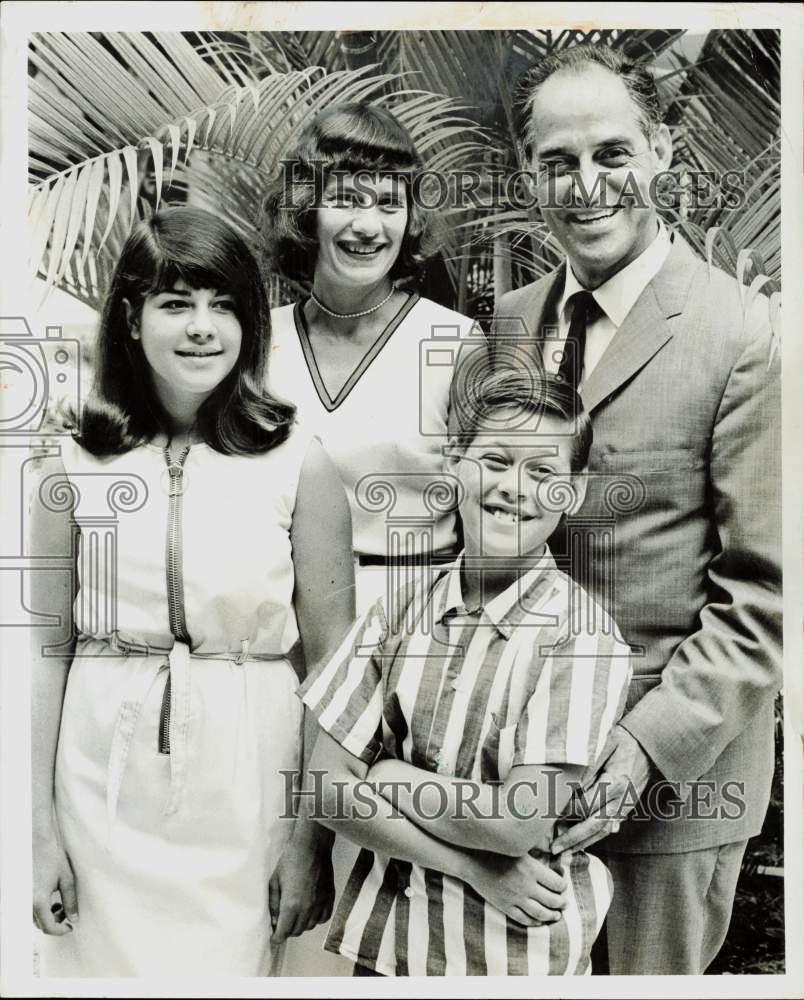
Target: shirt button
x=409 y=892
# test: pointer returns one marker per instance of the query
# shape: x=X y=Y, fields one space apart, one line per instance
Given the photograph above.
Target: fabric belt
x=423 y=559
x=177 y=660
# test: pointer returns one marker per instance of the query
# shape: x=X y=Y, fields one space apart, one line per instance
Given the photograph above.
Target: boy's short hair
x=530 y=391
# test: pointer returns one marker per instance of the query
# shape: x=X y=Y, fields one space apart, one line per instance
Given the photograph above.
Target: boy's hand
x=619 y=787
x=302 y=889
x=525 y=889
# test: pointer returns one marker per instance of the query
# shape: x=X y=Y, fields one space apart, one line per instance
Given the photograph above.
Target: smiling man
x=682 y=388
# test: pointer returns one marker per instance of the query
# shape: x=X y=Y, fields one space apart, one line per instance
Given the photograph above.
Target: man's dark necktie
x=584 y=310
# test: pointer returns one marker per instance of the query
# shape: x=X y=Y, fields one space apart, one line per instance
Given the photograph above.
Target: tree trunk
x=359 y=48
x=463 y=290
x=503 y=280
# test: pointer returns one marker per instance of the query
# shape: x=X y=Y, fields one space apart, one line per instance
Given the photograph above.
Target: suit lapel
x=535 y=307
x=646 y=328
x=544 y=305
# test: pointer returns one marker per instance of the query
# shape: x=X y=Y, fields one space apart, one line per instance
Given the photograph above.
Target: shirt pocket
x=497 y=753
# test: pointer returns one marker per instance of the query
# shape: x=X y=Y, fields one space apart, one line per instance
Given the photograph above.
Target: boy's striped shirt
x=472 y=694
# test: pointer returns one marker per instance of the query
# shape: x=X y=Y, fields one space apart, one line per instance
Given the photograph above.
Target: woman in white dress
x=164 y=721
x=367 y=364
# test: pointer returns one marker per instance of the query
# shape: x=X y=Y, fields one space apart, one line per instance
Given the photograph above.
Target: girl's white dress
x=173 y=851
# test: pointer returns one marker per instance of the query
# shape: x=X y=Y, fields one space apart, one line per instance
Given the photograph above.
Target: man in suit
x=685 y=405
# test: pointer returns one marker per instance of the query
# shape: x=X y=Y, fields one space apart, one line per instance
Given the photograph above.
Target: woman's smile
x=359 y=249
x=361 y=223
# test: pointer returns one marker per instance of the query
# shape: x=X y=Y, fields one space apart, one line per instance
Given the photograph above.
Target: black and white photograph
x=401 y=443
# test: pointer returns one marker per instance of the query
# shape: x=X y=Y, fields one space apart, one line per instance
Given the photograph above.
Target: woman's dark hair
x=348 y=138
x=199 y=248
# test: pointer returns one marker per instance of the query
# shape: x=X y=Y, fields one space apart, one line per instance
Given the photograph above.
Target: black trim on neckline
x=328 y=402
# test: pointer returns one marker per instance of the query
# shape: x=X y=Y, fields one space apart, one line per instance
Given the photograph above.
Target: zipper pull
x=175 y=472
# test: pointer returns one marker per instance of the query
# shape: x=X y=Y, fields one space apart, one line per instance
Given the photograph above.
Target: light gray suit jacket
x=685 y=400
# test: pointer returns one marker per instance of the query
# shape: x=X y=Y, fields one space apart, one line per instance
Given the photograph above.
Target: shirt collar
x=499 y=608
x=616 y=297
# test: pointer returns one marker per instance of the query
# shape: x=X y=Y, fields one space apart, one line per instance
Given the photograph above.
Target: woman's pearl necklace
x=365 y=312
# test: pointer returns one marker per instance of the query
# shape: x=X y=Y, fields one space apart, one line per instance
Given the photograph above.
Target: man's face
x=594 y=165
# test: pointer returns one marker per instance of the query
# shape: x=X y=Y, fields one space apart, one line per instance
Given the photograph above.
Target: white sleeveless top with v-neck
x=388 y=422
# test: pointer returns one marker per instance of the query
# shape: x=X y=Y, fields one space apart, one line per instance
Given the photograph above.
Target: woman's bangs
x=381 y=165
x=372 y=149
x=364 y=155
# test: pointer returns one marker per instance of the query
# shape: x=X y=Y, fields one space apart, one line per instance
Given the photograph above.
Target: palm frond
x=232 y=130
x=209 y=116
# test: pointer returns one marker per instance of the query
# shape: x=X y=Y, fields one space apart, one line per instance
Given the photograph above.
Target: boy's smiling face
x=506 y=478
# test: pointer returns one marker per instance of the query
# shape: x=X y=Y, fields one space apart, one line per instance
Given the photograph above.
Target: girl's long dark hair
x=239 y=417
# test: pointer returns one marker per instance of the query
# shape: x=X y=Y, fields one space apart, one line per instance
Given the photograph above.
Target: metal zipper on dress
x=164 y=720
x=175 y=582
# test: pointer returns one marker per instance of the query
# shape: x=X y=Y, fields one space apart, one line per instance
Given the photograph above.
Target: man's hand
x=614 y=794
x=525 y=889
x=302 y=889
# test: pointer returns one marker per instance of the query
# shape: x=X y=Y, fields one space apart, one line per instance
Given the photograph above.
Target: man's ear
x=662 y=145
x=133 y=325
x=579 y=483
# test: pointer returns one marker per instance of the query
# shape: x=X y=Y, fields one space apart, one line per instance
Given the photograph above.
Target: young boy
x=453 y=738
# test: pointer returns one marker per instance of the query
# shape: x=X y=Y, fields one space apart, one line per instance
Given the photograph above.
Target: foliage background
x=120 y=121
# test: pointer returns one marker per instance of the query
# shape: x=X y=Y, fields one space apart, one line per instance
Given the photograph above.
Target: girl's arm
x=524 y=888
x=52 y=593
x=302 y=890
x=321 y=536
x=509 y=818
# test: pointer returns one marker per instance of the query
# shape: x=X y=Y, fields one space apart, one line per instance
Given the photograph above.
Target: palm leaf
x=191 y=99
x=211 y=116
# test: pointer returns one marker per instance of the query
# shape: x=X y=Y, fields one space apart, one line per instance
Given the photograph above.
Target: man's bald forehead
x=592 y=94
x=579 y=59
